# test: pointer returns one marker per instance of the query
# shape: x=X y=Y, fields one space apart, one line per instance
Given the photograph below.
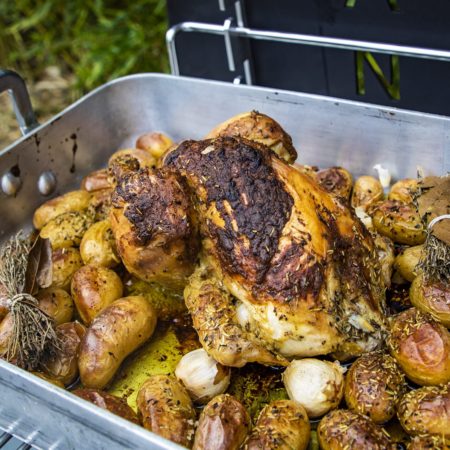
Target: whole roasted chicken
x=275 y=267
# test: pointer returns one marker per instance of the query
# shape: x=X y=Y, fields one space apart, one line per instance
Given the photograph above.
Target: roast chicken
x=274 y=266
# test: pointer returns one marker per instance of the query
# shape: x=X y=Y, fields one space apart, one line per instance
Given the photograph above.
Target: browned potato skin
x=93 y=289
x=421 y=346
x=427 y=443
x=65 y=262
x=398 y=221
x=154 y=143
x=96 y=181
x=75 y=201
x=259 y=128
x=426 y=411
x=432 y=298
x=165 y=408
x=407 y=260
x=367 y=191
x=116 y=332
x=403 y=191
x=111 y=403
x=57 y=303
x=223 y=425
x=283 y=425
x=373 y=386
x=345 y=430
x=48 y=378
x=337 y=181
x=63 y=365
x=67 y=229
x=98 y=246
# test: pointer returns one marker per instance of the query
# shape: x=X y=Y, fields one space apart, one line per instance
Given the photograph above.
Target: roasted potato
x=67 y=229
x=164 y=407
x=367 y=191
x=126 y=160
x=65 y=262
x=98 y=246
x=48 y=378
x=96 y=181
x=432 y=298
x=421 y=346
x=398 y=221
x=404 y=190
x=57 y=303
x=75 y=201
x=154 y=143
x=426 y=411
x=345 y=430
x=93 y=289
x=63 y=365
x=374 y=385
x=281 y=425
x=116 y=332
x=6 y=331
x=100 y=204
x=427 y=443
x=337 y=181
x=111 y=403
x=223 y=425
x=407 y=260
x=259 y=128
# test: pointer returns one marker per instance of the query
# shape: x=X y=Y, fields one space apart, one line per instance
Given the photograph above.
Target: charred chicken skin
x=284 y=269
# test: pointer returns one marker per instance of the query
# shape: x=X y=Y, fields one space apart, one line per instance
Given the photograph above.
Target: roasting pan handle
x=15 y=85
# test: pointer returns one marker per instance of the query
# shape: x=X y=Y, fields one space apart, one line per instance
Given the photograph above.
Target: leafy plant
x=96 y=40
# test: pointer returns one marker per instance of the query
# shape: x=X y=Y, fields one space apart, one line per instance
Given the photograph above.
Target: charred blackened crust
x=155 y=203
x=239 y=180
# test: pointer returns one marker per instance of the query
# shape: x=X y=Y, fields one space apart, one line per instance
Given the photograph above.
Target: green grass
x=96 y=40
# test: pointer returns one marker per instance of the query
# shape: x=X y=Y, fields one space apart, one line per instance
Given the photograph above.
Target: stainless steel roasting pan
x=326 y=132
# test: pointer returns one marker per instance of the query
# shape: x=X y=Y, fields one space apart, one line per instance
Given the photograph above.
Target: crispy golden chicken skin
x=258 y=127
x=153 y=226
x=299 y=272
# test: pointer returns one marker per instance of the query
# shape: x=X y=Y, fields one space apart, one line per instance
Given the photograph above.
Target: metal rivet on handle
x=10 y=184
x=46 y=183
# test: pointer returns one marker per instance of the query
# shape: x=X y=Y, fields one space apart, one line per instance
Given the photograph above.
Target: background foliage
x=95 y=40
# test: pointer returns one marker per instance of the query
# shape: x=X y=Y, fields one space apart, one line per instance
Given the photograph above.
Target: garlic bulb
x=316 y=385
x=203 y=377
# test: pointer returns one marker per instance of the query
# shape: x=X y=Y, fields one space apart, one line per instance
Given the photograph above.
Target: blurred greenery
x=95 y=40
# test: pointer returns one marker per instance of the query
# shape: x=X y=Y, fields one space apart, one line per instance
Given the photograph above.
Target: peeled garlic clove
x=315 y=384
x=384 y=175
x=203 y=377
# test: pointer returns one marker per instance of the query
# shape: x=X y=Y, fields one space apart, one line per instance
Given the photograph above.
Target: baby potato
x=421 y=346
x=65 y=262
x=96 y=181
x=407 y=260
x=100 y=204
x=345 y=430
x=432 y=298
x=111 y=403
x=373 y=386
x=404 y=190
x=63 y=365
x=57 y=303
x=48 y=378
x=67 y=229
x=426 y=411
x=337 y=181
x=154 y=143
x=367 y=191
x=164 y=407
x=93 y=289
x=75 y=201
x=281 y=425
x=116 y=332
x=223 y=425
x=98 y=246
x=427 y=443
x=399 y=221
